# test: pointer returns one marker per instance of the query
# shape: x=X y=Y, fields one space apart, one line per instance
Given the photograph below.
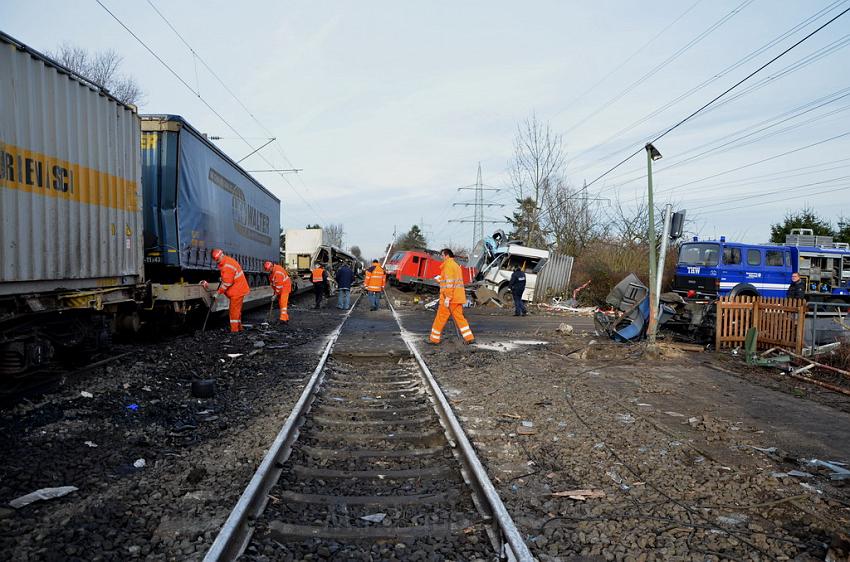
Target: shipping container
x=301 y=244
x=70 y=180
x=196 y=199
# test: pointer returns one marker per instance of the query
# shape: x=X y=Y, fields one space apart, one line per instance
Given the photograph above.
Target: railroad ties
x=374 y=470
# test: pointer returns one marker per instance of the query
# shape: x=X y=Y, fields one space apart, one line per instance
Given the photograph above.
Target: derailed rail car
x=70 y=201
x=196 y=199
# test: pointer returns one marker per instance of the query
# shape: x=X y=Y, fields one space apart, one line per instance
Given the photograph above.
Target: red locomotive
x=418 y=268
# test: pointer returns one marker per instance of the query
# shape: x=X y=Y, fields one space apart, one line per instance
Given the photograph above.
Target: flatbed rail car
x=714 y=268
x=71 y=262
x=196 y=199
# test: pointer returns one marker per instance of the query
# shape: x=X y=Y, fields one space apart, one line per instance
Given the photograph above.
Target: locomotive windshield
x=699 y=254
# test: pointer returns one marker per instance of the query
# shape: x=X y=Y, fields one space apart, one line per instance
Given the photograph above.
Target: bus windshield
x=699 y=254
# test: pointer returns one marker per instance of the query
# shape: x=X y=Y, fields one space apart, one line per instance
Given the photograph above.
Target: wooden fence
x=779 y=322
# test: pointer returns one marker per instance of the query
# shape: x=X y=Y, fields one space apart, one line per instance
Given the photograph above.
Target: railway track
x=371 y=464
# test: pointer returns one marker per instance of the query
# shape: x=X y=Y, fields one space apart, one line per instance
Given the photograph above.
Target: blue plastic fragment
x=133 y=407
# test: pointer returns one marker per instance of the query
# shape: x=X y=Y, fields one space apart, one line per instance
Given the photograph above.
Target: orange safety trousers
x=236 y=313
x=456 y=312
x=283 y=301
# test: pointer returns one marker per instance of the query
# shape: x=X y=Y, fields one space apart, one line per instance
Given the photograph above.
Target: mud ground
x=198 y=453
x=688 y=454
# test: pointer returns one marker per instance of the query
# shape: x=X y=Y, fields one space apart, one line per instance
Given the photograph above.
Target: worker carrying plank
x=233 y=285
x=374 y=283
x=452 y=299
x=281 y=285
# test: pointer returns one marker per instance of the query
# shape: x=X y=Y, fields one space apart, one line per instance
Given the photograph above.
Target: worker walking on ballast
x=233 y=285
x=374 y=283
x=452 y=299
x=282 y=286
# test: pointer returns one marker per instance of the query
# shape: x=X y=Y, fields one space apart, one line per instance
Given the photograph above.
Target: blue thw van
x=712 y=268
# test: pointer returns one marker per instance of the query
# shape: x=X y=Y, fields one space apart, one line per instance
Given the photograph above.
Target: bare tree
x=458 y=249
x=537 y=166
x=101 y=69
x=334 y=235
x=573 y=220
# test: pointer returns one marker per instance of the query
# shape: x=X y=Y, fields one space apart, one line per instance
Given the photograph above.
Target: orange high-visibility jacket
x=318 y=274
x=233 y=282
x=279 y=280
x=375 y=279
x=451 y=282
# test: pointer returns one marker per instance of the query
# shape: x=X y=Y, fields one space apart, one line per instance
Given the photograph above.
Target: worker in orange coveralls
x=233 y=285
x=281 y=285
x=452 y=299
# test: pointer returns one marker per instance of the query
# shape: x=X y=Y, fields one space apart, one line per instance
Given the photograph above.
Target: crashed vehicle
x=693 y=318
x=331 y=258
x=630 y=317
x=546 y=274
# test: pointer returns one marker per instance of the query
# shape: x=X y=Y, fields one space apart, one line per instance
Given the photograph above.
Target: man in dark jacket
x=797 y=289
x=344 y=279
x=517 y=286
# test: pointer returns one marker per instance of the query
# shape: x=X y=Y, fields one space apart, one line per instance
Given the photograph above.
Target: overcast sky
x=389 y=106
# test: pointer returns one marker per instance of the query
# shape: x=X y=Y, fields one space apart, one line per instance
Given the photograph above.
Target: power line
x=705 y=83
x=793 y=197
x=739 y=137
x=632 y=56
x=762 y=160
x=717 y=97
x=771 y=191
x=682 y=50
x=802 y=63
x=226 y=88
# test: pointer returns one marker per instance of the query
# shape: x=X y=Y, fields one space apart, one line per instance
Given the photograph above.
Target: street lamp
x=652 y=154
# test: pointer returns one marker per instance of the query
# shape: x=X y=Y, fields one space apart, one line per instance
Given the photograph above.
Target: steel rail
x=236 y=532
x=514 y=545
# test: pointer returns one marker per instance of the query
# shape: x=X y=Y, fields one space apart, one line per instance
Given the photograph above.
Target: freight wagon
x=71 y=206
x=87 y=244
x=196 y=199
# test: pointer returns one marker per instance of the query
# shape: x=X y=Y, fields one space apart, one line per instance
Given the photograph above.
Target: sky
x=389 y=107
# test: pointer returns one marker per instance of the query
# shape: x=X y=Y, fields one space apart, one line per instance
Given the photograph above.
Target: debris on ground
x=42 y=494
x=374 y=517
x=580 y=495
x=565 y=328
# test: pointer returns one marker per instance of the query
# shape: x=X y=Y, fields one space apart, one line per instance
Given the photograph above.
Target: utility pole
x=478 y=219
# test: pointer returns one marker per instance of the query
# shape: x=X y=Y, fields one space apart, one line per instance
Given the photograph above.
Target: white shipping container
x=70 y=180
x=301 y=243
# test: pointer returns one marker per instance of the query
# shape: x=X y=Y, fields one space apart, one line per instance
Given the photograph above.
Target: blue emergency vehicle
x=713 y=268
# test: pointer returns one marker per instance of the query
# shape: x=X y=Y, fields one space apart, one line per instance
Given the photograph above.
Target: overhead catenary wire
x=256 y=120
x=198 y=94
